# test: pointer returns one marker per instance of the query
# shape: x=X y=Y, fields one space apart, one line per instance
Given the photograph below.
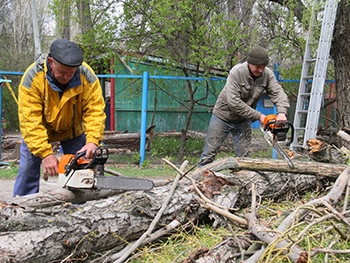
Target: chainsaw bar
x=268 y=136
x=123 y=183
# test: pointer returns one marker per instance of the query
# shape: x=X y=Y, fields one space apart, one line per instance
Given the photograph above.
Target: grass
x=128 y=164
x=8 y=171
x=187 y=241
x=178 y=246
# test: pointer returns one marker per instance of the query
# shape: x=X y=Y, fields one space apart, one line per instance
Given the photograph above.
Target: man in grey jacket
x=235 y=107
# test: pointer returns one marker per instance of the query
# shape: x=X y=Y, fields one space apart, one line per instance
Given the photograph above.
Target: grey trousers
x=217 y=132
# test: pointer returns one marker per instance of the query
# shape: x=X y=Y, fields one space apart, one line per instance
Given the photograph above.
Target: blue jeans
x=28 y=177
x=217 y=132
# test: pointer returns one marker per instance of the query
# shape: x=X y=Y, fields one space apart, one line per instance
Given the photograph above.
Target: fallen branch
x=332 y=197
x=294 y=252
x=224 y=213
x=300 y=167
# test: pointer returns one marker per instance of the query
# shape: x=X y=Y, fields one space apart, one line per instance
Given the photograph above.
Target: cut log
x=81 y=230
x=300 y=167
x=34 y=232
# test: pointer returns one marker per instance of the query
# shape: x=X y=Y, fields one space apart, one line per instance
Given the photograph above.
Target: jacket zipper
x=73 y=123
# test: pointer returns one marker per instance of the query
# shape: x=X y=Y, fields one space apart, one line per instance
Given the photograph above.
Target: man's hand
x=281 y=117
x=90 y=149
x=50 y=166
x=262 y=118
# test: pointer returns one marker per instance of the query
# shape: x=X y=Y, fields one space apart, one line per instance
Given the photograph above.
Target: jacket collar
x=73 y=82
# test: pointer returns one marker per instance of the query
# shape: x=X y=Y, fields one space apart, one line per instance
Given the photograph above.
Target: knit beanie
x=258 y=56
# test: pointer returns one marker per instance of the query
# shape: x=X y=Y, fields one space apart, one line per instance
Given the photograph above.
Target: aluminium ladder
x=310 y=95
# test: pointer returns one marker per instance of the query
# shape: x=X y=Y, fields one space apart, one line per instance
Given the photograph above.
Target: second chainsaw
x=275 y=133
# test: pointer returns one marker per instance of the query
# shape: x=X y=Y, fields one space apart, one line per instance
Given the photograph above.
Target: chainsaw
x=78 y=173
x=275 y=133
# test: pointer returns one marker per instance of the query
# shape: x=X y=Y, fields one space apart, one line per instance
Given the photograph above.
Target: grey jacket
x=238 y=99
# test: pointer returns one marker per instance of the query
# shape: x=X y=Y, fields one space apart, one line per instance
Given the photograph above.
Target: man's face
x=256 y=69
x=60 y=72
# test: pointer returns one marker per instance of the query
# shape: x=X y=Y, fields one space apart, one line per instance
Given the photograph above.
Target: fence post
x=1 y=131
x=144 y=116
x=0 y=118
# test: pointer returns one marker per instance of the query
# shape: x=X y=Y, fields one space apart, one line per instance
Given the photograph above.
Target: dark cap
x=258 y=56
x=66 y=52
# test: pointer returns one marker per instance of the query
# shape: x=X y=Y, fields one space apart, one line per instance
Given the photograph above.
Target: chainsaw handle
x=100 y=156
x=292 y=132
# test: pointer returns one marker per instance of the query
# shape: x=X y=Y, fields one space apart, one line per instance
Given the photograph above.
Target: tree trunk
x=261 y=166
x=33 y=234
x=38 y=235
x=274 y=165
x=340 y=52
x=84 y=13
x=66 y=19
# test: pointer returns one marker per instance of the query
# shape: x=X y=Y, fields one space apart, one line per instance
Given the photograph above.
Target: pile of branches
x=109 y=225
x=101 y=225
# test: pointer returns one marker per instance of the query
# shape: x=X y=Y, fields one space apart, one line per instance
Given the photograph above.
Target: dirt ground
x=6 y=187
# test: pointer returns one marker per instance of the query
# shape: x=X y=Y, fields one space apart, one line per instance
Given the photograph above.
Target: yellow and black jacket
x=47 y=114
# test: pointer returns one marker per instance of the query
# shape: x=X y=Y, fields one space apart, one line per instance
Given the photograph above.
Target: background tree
x=215 y=34
x=212 y=34
x=63 y=19
x=340 y=52
x=17 y=45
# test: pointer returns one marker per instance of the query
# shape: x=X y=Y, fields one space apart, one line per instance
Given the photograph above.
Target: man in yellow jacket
x=60 y=99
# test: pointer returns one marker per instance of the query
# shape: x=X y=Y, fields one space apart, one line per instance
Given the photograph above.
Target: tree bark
x=302 y=171
x=340 y=52
x=300 y=167
x=81 y=230
x=32 y=233
x=61 y=196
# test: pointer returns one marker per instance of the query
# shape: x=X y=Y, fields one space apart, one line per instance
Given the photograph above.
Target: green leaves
x=183 y=32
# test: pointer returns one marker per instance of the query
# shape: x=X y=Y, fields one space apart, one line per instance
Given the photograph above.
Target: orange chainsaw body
x=66 y=159
x=270 y=119
x=74 y=171
x=275 y=132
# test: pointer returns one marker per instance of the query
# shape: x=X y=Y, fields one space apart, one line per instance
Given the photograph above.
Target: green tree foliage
x=190 y=35
x=195 y=37
x=183 y=32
